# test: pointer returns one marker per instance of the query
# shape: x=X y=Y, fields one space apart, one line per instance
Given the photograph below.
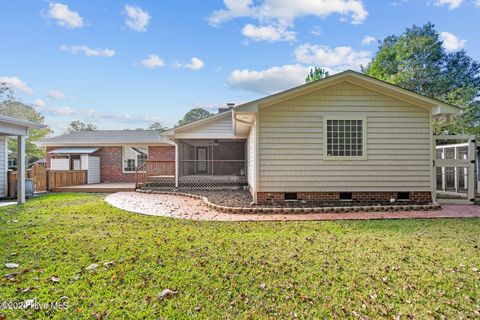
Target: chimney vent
x=229 y=107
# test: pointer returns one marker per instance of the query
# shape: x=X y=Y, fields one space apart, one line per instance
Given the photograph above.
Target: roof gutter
x=242 y=121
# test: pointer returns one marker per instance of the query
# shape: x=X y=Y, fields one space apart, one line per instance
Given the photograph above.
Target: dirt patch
x=243 y=199
x=228 y=198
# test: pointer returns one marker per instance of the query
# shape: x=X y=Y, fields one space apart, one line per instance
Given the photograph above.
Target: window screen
x=134 y=157
x=345 y=138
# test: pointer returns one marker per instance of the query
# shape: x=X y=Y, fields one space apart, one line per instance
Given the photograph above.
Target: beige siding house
x=347 y=136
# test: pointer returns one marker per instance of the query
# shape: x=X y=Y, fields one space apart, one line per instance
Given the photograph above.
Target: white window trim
x=345 y=117
x=136 y=159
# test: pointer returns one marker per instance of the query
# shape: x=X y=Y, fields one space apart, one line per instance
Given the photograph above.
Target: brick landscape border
x=290 y=210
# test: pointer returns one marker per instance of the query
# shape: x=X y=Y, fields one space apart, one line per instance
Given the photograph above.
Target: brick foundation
x=312 y=197
x=111 y=161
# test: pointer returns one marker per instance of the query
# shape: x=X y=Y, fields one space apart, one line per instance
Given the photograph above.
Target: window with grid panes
x=345 y=138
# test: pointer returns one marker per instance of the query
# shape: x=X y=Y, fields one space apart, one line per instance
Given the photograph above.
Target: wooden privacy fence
x=37 y=172
x=62 y=178
x=39 y=175
x=44 y=179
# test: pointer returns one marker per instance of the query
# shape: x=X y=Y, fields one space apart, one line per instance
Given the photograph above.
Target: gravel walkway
x=194 y=209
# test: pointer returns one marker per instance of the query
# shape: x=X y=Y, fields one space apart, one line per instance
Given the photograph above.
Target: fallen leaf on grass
x=11 y=265
x=92 y=266
x=108 y=264
x=167 y=293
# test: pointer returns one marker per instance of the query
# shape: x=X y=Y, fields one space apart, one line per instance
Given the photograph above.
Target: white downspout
x=177 y=165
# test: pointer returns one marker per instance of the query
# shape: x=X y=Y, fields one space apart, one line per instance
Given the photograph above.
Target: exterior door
x=202 y=157
x=455 y=172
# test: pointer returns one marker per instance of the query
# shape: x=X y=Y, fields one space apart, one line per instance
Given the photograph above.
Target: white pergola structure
x=10 y=128
x=459 y=175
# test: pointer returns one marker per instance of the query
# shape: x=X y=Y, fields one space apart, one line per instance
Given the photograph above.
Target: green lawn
x=419 y=268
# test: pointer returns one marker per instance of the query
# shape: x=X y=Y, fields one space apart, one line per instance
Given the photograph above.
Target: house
x=9 y=128
x=107 y=155
x=345 y=137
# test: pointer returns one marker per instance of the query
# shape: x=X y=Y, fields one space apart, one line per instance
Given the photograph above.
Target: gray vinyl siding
x=3 y=166
x=291 y=144
x=251 y=159
x=221 y=125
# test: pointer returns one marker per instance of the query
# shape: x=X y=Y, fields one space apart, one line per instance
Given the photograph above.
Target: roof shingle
x=106 y=137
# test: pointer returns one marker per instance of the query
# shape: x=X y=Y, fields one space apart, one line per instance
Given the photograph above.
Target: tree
x=316 y=74
x=417 y=61
x=77 y=125
x=194 y=115
x=157 y=126
x=10 y=107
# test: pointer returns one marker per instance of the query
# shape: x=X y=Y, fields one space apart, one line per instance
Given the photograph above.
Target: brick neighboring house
x=119 y=151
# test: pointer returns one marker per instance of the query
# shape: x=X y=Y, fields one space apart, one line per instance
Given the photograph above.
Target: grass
x=349 y=269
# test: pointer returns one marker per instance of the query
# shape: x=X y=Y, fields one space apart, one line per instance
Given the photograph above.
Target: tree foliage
x=77 y=125
x=194 y=115
x=316 y=74
x=157 y=126
x=416 y=60
x=10 y=107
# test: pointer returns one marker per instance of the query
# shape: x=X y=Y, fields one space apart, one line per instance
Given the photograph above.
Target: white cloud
x=64 y=16
x=57 y=95
x=337 y=59
x=16 y=83
x=137 y=19
x=285 y=12
x=96 y=116
x=153 y=61
x=451 y=42
x=195 y=64
x=63 y=111
x=89 y=52
x=367 y=40
x=269 y=81
x=452 y=4
x=268 y=33
x=39 y=103
x=477 y=3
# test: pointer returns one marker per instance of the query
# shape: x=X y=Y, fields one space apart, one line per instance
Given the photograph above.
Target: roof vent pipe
x=228 y=108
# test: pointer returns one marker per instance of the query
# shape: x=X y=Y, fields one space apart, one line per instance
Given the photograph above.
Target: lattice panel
x=212 y=185
x=192 y=183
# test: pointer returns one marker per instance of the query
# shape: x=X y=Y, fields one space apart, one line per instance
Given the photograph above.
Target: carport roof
x=74 y=150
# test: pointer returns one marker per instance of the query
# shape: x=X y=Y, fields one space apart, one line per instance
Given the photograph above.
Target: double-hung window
x=134 y=157
x=344 y=137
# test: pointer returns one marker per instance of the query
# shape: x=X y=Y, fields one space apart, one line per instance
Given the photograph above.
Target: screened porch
x=211 y=163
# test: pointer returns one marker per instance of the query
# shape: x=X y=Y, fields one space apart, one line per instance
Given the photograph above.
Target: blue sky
x=126 y=64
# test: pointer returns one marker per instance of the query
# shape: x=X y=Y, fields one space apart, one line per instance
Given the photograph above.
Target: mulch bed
x=241 y=198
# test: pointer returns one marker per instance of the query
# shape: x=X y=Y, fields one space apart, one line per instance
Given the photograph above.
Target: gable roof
x=107 y=137
x=438 y=107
